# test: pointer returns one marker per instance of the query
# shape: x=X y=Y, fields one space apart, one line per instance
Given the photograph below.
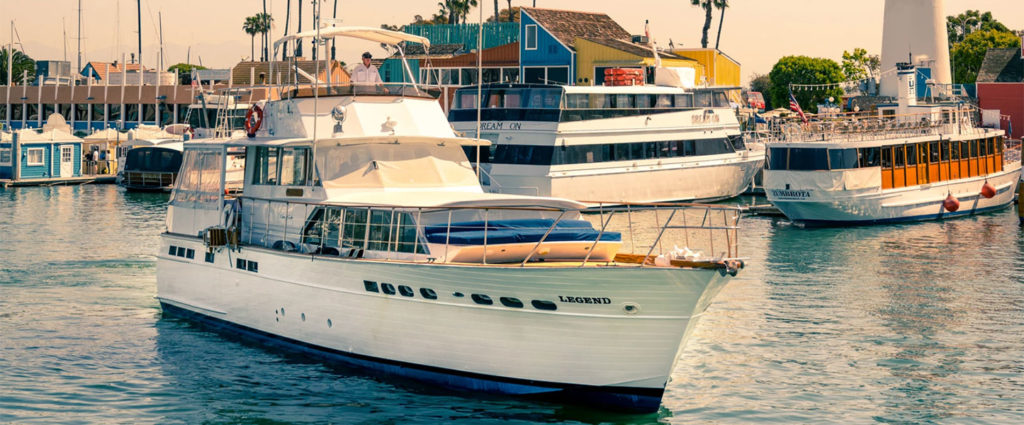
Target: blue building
x=30 y=154
x=547 y=53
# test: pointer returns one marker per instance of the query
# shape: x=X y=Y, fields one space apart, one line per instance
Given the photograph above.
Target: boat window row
x=551 y=98
x=250 y=266
x=430 y=294
x=902 y=165
x=608 y=152
x=334 y=228
x=466 y=76
x=288 y=166
x=182 y=252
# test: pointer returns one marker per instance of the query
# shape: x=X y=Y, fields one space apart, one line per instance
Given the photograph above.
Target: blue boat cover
x=516 y=231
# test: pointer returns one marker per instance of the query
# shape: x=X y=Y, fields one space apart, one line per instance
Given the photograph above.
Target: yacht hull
x=915 y=203
x=660 y=181
x=612 y=338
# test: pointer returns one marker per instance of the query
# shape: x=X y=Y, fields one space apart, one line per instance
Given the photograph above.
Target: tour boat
x=909 y=162
x=625 y=143
x=362 y=235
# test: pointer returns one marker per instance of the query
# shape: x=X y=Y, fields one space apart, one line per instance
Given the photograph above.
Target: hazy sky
x=756 y=32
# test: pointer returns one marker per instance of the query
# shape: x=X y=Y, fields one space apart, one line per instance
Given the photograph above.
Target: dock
x=59 y=181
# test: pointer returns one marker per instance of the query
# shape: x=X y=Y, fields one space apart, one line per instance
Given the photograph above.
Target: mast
x=298 y=42
x=160 y=18
x=334 y=17
x=79 y=35
x=138 y=8
x=287 y=17
x=479 y=84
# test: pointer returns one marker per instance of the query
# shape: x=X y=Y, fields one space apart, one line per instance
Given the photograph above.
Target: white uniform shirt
x=365 y=74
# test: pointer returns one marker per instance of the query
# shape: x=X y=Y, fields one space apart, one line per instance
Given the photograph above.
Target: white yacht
x=637 y=143
x=909 y=162
x=362 y=234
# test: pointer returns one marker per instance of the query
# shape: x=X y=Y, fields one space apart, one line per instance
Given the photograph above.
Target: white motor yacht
x=362 y=234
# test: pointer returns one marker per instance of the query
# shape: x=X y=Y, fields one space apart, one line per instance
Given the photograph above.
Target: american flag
x=795 y=107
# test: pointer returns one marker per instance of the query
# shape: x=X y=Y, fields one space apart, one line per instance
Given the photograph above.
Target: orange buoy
x=988 y=190
x=951 y=204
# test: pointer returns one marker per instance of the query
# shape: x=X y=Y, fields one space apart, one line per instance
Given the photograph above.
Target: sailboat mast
x=138 y=8
x=79 y=35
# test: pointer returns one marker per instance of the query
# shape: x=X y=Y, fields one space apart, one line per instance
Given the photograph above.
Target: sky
x=756 y=33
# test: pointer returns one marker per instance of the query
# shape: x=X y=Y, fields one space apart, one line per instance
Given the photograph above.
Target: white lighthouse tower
x=914 y=29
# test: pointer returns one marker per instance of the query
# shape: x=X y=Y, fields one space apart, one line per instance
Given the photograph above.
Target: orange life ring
x=253 y=120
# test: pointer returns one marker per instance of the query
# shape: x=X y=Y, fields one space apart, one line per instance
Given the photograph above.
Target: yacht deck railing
x=859 y=128
x=693 y=235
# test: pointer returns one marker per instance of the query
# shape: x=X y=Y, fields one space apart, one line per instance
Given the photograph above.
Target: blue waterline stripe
x=924 y=217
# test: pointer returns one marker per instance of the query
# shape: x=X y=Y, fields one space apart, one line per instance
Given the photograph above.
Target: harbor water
x=916 y=323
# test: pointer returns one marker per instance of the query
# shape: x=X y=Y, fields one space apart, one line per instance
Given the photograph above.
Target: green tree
x=804 y=70
x=968 y=54
x=860 y=65
x=185 y=71
x=251 y=26
x=708 y=6
x=20 y=64
x=960 y=26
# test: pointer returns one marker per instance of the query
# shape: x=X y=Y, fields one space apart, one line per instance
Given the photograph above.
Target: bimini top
x=378 y=35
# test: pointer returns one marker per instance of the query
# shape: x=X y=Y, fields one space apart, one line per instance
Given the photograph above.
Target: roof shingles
x=566 y=25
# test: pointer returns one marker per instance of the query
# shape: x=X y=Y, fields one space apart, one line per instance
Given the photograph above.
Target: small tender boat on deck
x=362 y=234
x=910 y=162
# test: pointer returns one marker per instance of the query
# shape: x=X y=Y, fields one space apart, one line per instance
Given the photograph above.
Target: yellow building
x=716 y=68
x=593 y=56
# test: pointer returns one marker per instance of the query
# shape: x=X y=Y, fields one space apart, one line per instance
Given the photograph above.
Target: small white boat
x=362 y=234
x=911 y=162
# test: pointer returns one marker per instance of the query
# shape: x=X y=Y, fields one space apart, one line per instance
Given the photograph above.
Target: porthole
x=387 y=288
x=303 y=317
x=405 y=291
x=482 y=299
x=254 y=267
x=173 y=250
x=210 y=257
x=329 y=324
x=240 y=264
x=457 y=294
x=544 y=305
x=370 y=286
x=631 y=308
x=282 y=311
x=511 y=302
x=428 y=293
x=190 y=253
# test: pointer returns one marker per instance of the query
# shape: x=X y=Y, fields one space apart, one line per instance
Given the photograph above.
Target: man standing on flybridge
x=365 y=73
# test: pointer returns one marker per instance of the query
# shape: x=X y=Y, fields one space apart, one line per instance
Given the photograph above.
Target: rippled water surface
x=919 y=323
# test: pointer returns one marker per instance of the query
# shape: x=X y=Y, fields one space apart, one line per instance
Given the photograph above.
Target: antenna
x=138 y=4
x=79 y=37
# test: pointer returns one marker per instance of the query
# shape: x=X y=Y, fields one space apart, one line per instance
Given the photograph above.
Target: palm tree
x=251 y=27
x=263 y=22
x=287 y=17
x=707 y=5
x=496 y=11
x=21 y=64
x=725 y=4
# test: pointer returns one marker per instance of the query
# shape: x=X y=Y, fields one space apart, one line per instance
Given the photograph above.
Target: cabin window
x=965 y=151
x=721 y=100
x=370 y=286
x=777 y=158
x=933 y=153
x=387 y=288
x=428 y=293
x=703 y=100
x=807 y=159
x=531 y=37
x=295 y=169
x=843 y=159
x=354 y=232
x=664 y=101
x=983 y=147
x=466 y=100
x=899 y=159
x=81 y=112
x=405 y=291
x=715 y=147
x=869 y=157
x=131 y=112
x=544 y=305
x=624 y=101
x=947 y=154
x=577 y=101
x=523 y=154
x=481 y=299
x=911 y=154
x=17 y=112
x=5 y=156
x=737 y=142
x=265 y=167
x=643 y=101
x=684 y=101
x=380 y=230
x=886 y=157
x=34 y=156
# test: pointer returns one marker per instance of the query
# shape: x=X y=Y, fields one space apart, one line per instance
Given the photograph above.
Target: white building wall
x=917 y=28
